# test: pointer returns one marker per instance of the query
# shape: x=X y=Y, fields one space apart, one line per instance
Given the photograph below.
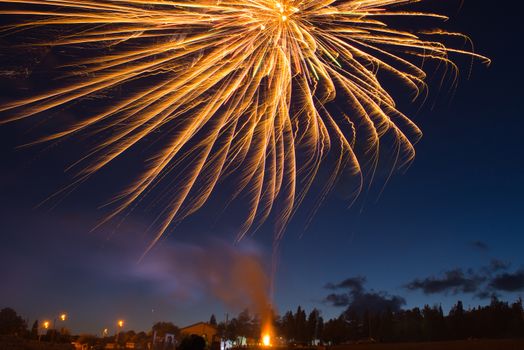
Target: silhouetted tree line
x=297 y=328
x=244 y=325
x=496 y=320
x=11 y=323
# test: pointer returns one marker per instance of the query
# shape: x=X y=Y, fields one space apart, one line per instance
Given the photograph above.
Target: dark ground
x=502 y=344
x=10 y=343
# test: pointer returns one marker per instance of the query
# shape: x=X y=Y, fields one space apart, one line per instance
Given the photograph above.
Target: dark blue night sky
x=449 y=228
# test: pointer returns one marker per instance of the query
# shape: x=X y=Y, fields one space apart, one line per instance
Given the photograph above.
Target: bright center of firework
x=266 y=340
x=284 y=10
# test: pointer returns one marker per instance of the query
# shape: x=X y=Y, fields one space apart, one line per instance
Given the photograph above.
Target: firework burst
x=261 y=89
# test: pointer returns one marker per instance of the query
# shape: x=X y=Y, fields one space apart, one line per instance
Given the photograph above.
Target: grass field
x=503 y=344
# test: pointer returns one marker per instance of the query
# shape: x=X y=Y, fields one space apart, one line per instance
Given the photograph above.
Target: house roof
x=198 y=324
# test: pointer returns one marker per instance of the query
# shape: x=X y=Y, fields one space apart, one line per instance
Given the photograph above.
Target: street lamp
x=45 y=325
x=120 y=324
x=62 y=317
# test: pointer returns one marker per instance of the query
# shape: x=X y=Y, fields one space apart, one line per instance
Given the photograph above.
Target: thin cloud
x=353 y=283
x=452 y=282
x=509 y=282
x=355 y=298
x=484 y=283
x=497 y=265
x=480 y=245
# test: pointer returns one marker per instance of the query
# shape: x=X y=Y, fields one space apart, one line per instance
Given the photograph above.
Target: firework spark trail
x=240 y=87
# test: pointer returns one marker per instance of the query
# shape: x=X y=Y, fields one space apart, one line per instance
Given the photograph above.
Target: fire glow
x=267 y=331
x=266 y=339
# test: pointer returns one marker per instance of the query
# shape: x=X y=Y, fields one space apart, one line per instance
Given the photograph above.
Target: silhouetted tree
x=517 y=317
x=192 y=342
x=300 y=328
x=245 y=325
x=339 y=330
x=11 y=323
x=231 y=330
x=433 y=324
x=88 y=339
x=288 y=326
x=385 y=331
x=213 y=320
x=456 y=321
x=141 y=338
x=163 y=328
x=34 y=330
x=314 y=326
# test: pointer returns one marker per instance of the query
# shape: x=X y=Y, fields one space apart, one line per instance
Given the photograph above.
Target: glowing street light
x=120 y=324
x=45 y=325
x=61 y=317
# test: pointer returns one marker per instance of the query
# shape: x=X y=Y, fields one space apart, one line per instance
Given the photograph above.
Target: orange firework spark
x=244 y=87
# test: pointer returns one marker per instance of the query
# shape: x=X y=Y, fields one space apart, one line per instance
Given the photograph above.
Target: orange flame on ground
x=266 y=334
x=266 y=340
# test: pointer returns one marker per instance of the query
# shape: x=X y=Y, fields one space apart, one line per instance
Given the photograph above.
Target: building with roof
x=203 y=329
